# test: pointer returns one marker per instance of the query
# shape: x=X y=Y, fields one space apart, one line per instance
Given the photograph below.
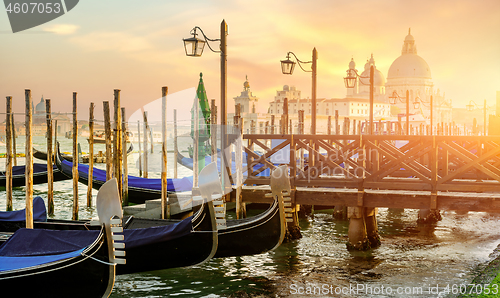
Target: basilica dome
x=409 y=64
x=40 y=107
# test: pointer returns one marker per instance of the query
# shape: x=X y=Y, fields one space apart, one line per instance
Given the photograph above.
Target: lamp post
x=350 y=82
x=393 y=99
x=287 y=67
x=473 y=106
x=194 y=48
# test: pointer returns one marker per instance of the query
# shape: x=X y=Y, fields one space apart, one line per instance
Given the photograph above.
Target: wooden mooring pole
x=8 y=165
x=117 y=142
x=29 y=160
x=75 y=159
x=91 y=155
x=176 y=150
x=145 y=154
x=107 y=132
x=125 y=160
x=50 y=172
x=14 y=137
x=140 y=146
x=165 y=206
x=238 y=124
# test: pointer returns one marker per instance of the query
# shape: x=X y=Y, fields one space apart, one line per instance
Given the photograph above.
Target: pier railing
x=384 y=162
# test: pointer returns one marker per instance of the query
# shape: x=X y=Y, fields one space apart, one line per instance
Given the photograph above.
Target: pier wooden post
x=301 y=131
x=152 y=144
x=91 y=155
x=329 y=125
x=176 y=152
x=240 y=205
x=117 y=143
x=55 y=136
x=272 y=124
x=75 y=159
x=50 y=173
x=107 y=131
x=14 y=137
x=285 y=114
x=432 y=214
x=8 y=165
x=293 y=228
x=29 y=160
x=337 y=128
x=165 y=206
x=145 y=154
x=140 y=146
x=125 y=159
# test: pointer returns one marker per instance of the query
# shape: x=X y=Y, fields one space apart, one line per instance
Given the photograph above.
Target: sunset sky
x=136 y=46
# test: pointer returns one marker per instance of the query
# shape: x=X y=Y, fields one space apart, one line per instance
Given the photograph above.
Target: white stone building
x=411 y=72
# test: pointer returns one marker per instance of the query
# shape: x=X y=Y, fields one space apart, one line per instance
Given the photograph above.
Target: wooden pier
x=363 y=172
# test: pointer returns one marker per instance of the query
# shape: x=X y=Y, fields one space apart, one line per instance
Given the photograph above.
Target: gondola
x=139 y=189
x=242 y=237
x=39 y=175
x=155 y=244
x=43 y=155
x=52 y=263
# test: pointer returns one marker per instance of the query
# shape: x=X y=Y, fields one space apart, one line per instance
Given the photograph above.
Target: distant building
x=40 y=121
x=248 y=113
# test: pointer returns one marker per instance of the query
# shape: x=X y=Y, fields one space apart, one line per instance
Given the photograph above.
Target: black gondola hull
x=251 y=236
x=38 y=178
x=76 y=277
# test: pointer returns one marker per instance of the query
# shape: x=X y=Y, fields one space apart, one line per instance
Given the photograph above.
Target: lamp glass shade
x=470 y=107
x=194 y=46
x=350 y=81
x=287 y=66
x=416 y=105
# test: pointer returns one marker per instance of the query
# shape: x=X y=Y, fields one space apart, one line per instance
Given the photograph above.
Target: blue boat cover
x=39 y=212
x=31 y=247
x=40 y=242
x=140 y=237
x=13 y=263
x=181 y=184
x=37 y=168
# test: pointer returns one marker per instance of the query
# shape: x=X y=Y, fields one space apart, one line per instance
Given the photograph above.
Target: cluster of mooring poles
x=116 y=156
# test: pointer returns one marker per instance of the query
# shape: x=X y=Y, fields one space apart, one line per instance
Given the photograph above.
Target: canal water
x=413 y=260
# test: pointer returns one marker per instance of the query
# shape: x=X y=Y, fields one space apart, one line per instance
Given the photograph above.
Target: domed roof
x=409 y=66
x=40 y=107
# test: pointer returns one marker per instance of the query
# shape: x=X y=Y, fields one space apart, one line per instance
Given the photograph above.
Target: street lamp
x=287 y=67
x=473 y=106
x=350 y=82
x=393 y=100
x=194 y=48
